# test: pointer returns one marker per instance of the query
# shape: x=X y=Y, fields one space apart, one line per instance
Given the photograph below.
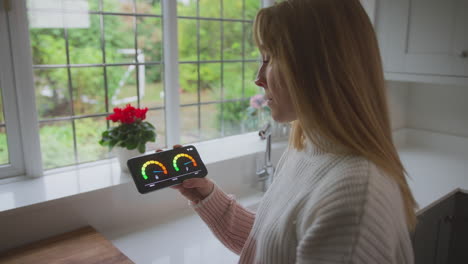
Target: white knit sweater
x=320 y=208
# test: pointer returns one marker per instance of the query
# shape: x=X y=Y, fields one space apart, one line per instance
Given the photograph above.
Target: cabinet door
x=424 y=36
x=459 y=240
x=431 y=239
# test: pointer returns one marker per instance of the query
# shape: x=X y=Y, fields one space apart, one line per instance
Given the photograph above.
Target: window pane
x=149 y=39
x=85 y=42
x=251 y=8
x=210 y=125
x=210 y=81
x=232 y=9
x=157 y=119
x=88 y=134
x=251 y=50
x=48 y=46
x=93 y=4
x=148 y=7
x=188 y=83
x=189 y=124
x=120 y=40
x=187 y=8
x=232 y=82
x=82 y=5
x=4 y=158
x=52 y=95
x=57 y=144
x=121 y=81
x=121 y=6
x=88 y=90
x=210 y=40
x=232 y=46
x=210 y=8
x=151 y=86
x=187 y=39
x=234 y=115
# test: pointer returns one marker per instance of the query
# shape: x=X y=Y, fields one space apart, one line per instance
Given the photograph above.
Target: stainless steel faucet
x=265 y=175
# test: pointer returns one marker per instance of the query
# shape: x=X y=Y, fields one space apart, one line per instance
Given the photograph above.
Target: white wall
x=434 y=107
x=438 y=108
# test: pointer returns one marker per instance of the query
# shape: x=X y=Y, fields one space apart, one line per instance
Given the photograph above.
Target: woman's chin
x=278 y=118
x=281 y=118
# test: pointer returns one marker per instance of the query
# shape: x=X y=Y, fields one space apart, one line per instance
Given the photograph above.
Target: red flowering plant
x=131 y=132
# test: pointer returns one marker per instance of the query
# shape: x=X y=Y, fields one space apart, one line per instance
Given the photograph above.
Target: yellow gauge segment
x=174 y=161
x=143 y=168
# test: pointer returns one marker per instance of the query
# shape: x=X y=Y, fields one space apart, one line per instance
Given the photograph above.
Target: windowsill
x=60 y=183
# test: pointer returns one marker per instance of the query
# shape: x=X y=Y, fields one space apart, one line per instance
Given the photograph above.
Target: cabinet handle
x=464 y=54
x=448 y=219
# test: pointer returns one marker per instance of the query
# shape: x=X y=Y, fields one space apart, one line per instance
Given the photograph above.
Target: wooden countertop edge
x=53 y=241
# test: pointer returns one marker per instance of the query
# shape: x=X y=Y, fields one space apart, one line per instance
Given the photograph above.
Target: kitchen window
x=88 y=56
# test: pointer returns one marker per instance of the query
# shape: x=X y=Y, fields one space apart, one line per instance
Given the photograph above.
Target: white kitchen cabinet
x=424 y=37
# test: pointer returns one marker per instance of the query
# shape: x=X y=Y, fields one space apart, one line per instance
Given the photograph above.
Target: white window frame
x=17 y=85
x=16 y=75
x=15 y=165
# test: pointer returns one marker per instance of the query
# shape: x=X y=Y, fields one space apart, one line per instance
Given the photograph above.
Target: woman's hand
x=194 y=189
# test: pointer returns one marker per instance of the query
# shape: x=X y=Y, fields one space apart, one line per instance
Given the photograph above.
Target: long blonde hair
x=329 y=60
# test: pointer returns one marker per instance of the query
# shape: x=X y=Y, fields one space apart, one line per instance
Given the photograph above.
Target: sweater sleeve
x=230 y=222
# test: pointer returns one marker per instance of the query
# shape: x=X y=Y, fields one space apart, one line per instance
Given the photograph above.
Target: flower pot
x=124 y=155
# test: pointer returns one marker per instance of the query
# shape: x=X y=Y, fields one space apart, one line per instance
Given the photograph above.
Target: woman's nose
x=260 y=81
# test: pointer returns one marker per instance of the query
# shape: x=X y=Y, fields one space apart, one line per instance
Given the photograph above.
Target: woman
x=339 y=194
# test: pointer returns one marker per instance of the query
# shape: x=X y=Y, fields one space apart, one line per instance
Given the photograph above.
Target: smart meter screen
x=163 y=169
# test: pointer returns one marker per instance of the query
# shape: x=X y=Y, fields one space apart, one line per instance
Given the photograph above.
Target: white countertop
x=437 y=164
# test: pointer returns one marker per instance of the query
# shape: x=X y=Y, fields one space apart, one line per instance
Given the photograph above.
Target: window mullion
x=24 y=84
x=171 y=72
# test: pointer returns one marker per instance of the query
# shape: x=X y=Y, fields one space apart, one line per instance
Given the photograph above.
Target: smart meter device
x=167 y=168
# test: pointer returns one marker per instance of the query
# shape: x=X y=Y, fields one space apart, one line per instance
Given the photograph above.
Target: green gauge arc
x=174 y=161
x=143 y=168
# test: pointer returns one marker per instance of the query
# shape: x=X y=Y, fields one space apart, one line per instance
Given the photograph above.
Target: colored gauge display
x=191 y=160
x=152 y=168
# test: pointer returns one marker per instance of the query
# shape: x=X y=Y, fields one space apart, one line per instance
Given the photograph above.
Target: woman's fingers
x=175 y=146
